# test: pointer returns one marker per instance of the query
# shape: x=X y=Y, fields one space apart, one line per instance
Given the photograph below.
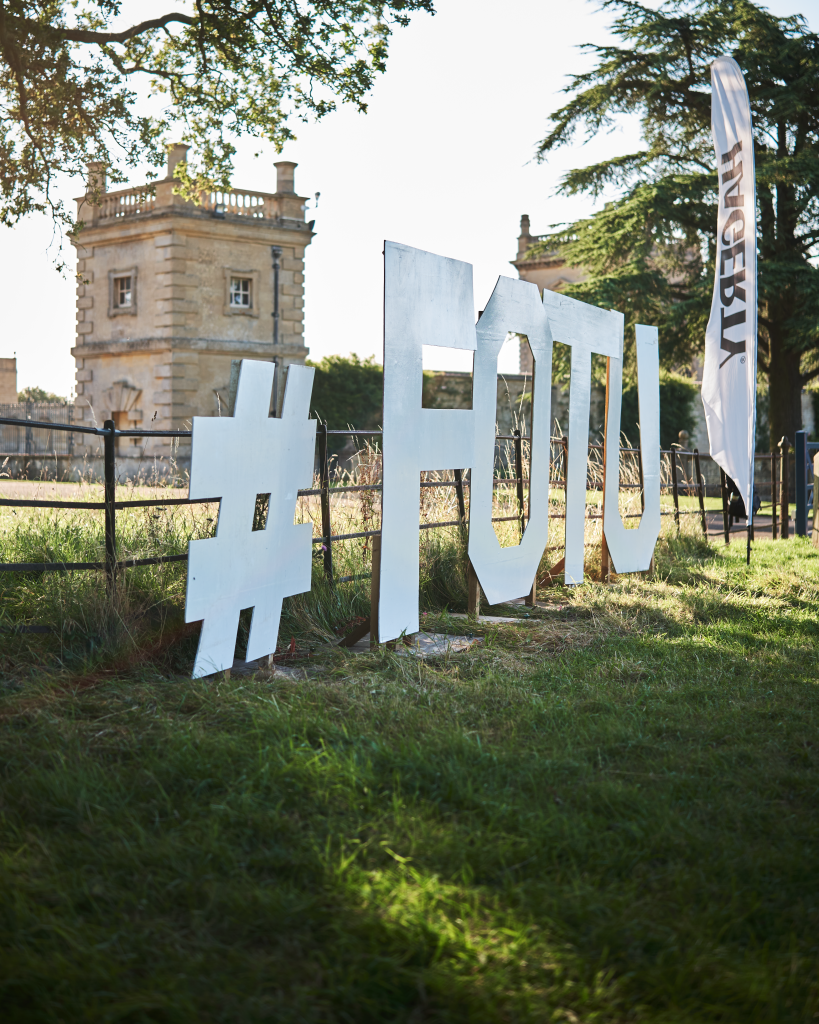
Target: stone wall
x=453 y=390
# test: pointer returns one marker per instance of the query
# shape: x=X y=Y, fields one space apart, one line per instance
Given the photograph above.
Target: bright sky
x=443 y=161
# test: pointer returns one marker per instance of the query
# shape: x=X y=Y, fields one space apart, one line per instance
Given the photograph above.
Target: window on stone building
x=123 y=292
x=241 y=292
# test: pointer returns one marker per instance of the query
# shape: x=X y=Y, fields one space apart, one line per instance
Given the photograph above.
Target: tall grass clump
x=85 y=623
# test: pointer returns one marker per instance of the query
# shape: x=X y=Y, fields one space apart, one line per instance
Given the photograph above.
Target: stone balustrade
x=129 y=202
x=241 y=202
x=126 y=203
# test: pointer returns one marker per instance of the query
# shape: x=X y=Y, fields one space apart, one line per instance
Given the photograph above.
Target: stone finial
x=96 y=180
x=8 y=380
x=285 y=177
x=524 y=238
x=177 y=152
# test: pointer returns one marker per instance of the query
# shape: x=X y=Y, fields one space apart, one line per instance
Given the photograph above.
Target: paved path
x=762 y=527
x=47 y=490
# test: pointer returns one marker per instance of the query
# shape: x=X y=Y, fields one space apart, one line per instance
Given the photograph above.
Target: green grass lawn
x=608 y=813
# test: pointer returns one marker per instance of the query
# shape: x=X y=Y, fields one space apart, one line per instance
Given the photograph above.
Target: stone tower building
x=546 y=270
x=170 y=292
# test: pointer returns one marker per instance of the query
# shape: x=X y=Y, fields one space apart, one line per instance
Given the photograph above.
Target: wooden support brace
x=375 y=584
x=555 y=571
x=358 y=633
x=474 y=591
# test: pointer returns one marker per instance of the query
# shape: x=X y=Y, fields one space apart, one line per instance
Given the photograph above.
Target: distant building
x=170 y=292
x=453 y=390
x=546 y=270
x=8 y=381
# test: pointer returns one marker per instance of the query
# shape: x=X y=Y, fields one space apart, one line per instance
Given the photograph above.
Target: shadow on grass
x=608 y=816
x=365 y=848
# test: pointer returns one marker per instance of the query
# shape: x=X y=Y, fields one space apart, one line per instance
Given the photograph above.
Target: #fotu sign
x=428 y=300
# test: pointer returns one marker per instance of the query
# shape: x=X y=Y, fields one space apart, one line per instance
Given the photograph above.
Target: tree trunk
x=785 y=388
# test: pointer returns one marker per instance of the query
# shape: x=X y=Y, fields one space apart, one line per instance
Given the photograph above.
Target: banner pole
x=730 y=363
x=749 y=512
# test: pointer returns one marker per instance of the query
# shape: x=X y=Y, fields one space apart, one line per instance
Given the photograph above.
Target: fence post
x=723 y=486
x=605 y=561
x=675 y=489
x=800 y=454
x=643 y=498
x=324 y=483
x=109 y=461
x=519 y=480
x=784 y=471
x=815 y=470
x=29 y=435
x=773 y=496
x=700 y=491
x=531 y=598
x=459 y=493
x=642 y=482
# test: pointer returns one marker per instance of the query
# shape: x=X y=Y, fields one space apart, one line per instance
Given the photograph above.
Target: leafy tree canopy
x=33 y=394
x=650 y=251
x=677 y=397
x=69 y=83
x=348 y=392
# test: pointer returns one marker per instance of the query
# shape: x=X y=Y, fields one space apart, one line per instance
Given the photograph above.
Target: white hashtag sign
x=235 y=459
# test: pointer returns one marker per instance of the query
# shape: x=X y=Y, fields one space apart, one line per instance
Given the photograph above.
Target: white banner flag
x=729 y=373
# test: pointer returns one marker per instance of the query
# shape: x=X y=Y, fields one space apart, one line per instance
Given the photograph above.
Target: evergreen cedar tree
x=650 y=252
x=68 y=84
x=677 y=398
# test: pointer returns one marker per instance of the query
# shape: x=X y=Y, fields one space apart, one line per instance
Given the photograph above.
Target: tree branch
x=81 y=35
x=15 y=64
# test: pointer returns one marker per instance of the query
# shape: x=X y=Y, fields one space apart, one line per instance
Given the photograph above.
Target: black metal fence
x=22 y=431
x=684 y=471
